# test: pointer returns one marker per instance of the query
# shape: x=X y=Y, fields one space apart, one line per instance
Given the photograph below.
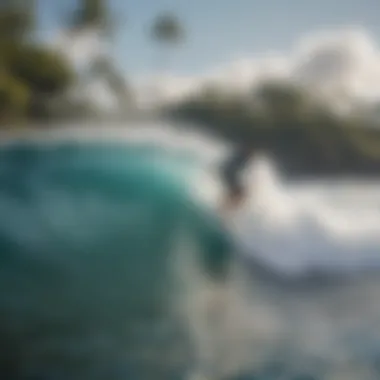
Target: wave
x=313 y=226
x=90 y=236
x=79 y=296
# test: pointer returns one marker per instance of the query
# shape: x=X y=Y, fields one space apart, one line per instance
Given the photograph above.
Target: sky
x=222 y=30
x=332 y=44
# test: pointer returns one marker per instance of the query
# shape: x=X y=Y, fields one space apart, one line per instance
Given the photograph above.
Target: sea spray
x=300 y=300
x=89 y=232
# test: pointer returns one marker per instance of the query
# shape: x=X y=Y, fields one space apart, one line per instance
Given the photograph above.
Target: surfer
x=218 y=297
x=231 y=175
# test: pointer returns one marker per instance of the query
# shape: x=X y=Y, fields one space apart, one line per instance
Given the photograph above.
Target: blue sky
x=222 y=30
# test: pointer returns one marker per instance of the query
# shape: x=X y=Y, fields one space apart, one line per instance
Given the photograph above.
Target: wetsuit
x=231 y=170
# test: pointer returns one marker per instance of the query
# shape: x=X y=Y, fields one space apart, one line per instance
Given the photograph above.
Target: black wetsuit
x=232 y=168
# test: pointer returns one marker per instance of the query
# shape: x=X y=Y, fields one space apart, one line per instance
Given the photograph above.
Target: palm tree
x=167 y=32
x=103 y=68
x=95 y=15
x=17 y=18
x=90 y=14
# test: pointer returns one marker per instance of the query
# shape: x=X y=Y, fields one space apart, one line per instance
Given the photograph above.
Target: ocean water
x=116 y=265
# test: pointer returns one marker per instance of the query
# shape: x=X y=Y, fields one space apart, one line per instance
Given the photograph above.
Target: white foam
x=334 y=225
x=293 y=227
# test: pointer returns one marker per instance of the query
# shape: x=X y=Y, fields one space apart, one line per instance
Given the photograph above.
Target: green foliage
x=42 y=70
x=30 y=74
x=366 y=141
x=283 y=102
x=17 y=19
x=14 y=98
x=289 y=122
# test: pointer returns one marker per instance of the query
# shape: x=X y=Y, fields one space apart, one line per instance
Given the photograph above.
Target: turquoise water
x=101 y=244
x=87 y=236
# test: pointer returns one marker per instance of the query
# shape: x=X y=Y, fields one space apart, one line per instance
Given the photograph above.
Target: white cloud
x=348 y=60
x=344 y=64
x=238 y=76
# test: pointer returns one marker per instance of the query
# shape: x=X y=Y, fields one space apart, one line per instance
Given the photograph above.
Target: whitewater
x=302 y=300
